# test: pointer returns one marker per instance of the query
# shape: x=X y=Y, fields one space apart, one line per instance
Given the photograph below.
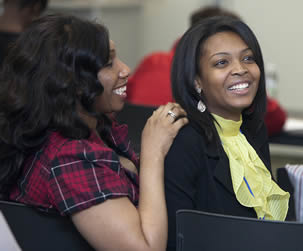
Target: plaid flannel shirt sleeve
x=84 y=174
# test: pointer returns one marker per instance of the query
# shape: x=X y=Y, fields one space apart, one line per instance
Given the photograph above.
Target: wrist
x=152 y=158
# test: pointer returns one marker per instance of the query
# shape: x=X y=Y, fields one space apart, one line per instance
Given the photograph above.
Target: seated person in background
x=275 y=117
x=220 y=161
x=150 y=84
x=16 y=16
x=59 y=148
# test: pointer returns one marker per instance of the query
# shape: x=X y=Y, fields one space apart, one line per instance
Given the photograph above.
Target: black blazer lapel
x=221 y=172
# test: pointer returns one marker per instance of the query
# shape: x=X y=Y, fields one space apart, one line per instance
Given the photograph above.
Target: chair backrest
x=284 y=182
x=201 y=231
x=135 y=116
x=40 y=231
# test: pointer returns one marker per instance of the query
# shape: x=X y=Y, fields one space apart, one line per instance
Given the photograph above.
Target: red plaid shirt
x=71 y=175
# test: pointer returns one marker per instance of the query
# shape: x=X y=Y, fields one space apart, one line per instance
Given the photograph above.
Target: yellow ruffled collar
x=227 y=127
x=252 y=182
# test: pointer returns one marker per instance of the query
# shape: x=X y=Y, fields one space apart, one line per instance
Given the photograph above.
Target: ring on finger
x=172 y=114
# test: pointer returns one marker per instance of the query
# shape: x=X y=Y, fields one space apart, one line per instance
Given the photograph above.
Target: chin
x=118 y=108
x=243 y=105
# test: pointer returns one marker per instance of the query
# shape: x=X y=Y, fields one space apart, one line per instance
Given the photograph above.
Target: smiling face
x=228 y=75
x=113 y=78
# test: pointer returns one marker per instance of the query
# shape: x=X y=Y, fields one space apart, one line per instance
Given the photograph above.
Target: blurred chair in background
x=285 y=183
x=291 y=175
x=135 y=124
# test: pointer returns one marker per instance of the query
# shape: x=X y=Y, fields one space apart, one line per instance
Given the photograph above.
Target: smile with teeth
x=120 y=91
x=238 y=86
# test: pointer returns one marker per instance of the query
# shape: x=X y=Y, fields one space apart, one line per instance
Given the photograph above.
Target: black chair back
x=284 y=182
x=135 y=116
x=40 y=231
x=201 y=231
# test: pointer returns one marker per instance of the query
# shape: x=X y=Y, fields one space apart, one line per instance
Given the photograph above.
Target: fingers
x=162 y=127
x=174 y=111
x=177 y=115
x=178 y=124
x=170 y=112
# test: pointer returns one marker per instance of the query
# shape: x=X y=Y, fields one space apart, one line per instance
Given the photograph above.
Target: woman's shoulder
x=63 y=148
x=186 y=154
x=58 y=142
x=188 y=140
x=190 y=134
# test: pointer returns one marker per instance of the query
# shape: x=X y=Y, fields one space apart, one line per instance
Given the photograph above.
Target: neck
x=89 y=120
x=230 y=116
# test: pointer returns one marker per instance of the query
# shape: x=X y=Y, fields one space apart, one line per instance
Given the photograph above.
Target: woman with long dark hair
x=60 y=149
x=220 y=161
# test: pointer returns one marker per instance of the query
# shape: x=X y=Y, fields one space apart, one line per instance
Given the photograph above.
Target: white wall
x=123 y=21
x=278 y=27
x=123 y=25
x=152 y=26
x=164 y=21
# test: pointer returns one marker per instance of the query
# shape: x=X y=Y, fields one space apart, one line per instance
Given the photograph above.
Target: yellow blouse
x=252 y=182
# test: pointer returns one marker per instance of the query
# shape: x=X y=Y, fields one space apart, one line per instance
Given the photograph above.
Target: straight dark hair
x=48 y=73
x=185 y=68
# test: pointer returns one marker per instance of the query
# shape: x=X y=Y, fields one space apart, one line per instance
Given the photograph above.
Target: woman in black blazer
x=218 y=78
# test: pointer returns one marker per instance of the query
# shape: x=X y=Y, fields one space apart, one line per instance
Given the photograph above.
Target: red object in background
x=150 y=83
x=275 y=117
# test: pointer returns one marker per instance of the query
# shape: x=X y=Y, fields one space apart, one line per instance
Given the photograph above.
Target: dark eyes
x=249 y=59
x=223 y=62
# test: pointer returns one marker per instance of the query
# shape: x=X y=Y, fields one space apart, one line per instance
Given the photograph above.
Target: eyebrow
x=226 y=53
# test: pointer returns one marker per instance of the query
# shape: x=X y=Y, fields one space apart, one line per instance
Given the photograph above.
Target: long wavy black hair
x=50 y=70
x=185 y=68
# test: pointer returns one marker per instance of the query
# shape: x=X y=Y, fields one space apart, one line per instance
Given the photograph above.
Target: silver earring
x=201 y=106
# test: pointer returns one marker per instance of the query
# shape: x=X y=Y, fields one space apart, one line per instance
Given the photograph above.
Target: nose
x=124 y=70
x=239 y=68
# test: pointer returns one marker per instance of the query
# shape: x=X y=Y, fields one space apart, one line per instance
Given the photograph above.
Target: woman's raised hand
x=161 y=129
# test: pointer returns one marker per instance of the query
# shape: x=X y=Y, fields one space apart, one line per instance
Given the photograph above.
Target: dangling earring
x=198 y=89
x=201 y=106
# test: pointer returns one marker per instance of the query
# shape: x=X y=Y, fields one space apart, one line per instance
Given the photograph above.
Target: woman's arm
x=182 y=169
x=116 y=224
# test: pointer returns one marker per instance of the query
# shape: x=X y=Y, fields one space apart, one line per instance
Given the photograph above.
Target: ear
x=198 y=84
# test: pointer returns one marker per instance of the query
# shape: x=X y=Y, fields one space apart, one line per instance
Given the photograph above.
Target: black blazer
x=197 y=176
